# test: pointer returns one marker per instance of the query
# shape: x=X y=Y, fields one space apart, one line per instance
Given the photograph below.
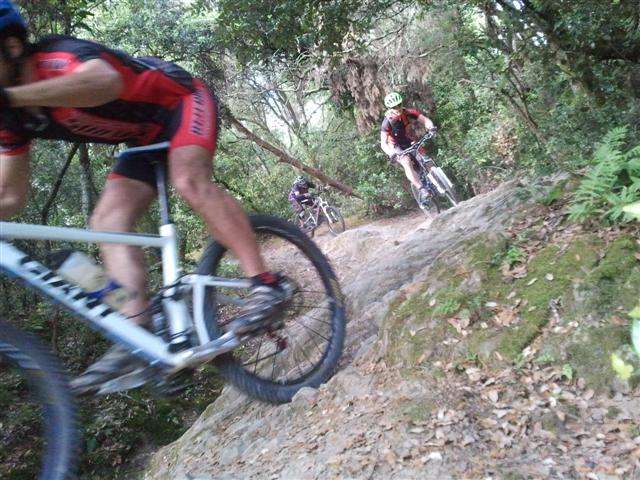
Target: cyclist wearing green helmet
x=394 y=135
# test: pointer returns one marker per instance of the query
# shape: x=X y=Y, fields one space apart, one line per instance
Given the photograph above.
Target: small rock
x=306 y=396
x=435 y=456
x=230 y=453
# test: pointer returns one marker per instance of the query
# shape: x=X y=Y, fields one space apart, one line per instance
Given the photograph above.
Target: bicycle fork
x=437 y=177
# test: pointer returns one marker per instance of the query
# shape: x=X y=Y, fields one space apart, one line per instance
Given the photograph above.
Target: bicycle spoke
x=258 y=354
x=316 y=344
x=311 y=329
x=273 y=368
x=318 y=319
x=295 y=350
x=314 y=306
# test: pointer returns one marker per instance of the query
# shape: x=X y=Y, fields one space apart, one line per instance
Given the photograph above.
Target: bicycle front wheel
x=430 y=207
x=273 y=366
x=449 y=192
x=335 y=220
x=36 y=411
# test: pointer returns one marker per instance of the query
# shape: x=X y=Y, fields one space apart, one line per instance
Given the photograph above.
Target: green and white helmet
x=392 y=99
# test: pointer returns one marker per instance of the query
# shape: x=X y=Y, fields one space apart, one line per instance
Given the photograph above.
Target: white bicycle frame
x=113 y=324
x=314 y=214
x=435 y=174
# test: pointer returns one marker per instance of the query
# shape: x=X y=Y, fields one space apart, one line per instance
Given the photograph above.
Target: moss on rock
x=588 y=281
x=590 y=353
x=552 y=274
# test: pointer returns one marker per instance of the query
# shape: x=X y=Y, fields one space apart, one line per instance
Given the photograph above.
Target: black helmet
x=11 y=21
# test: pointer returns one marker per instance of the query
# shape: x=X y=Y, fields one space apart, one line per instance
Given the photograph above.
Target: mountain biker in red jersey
x=394 y=137
x=70 y=89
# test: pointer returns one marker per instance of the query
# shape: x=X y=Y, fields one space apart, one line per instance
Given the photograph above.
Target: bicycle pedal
x=169 y=387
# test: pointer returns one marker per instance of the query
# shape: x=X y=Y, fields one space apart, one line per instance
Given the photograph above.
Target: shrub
x=612 y=181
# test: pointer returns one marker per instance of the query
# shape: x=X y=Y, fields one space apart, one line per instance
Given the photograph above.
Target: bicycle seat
x=146 y=149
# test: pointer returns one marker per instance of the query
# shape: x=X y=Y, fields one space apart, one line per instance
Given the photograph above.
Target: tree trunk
x=88 y=189
x=284 y=157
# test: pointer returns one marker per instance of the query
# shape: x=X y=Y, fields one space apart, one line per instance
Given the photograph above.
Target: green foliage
x=447 y=307
x=612 y=181
x=515 y=255
x=567 y=371
x=262 y=31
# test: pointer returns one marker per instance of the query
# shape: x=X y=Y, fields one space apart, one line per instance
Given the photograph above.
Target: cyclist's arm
x=426 y=121
x=387 y=144
x=422 y=118
x=91 y=84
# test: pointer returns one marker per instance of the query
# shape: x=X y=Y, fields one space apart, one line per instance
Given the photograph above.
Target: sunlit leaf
x=632 y=210
x=635 y=336
x=623 y=370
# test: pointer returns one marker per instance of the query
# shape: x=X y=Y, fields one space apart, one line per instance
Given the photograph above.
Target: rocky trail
x=449 y=370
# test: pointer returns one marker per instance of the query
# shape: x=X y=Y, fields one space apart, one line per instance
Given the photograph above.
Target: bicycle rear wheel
x=272 y=367
x=36 y=409
x=335 y=220
x=307 y=224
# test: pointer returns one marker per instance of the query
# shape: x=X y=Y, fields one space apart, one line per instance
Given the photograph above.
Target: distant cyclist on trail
x=394 y=135
x=299 y=195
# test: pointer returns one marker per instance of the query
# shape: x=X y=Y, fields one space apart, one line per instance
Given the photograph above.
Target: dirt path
x=379 y=419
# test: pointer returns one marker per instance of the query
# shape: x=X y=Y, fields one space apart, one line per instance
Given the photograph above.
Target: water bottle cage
x=98 y=294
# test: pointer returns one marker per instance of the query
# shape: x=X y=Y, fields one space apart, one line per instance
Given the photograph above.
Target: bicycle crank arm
x=192 y=358
x=203 y=353
x=131 y=380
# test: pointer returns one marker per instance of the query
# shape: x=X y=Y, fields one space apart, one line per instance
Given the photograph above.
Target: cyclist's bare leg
x=190 y=170
x=14 y=184
x=122 y=203
x=407 y=163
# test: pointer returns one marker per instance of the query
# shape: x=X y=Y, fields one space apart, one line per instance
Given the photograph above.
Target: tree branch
x=284 y=157
x=46 y=210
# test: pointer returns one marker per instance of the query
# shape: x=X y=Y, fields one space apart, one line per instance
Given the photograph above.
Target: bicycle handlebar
x=428 y=136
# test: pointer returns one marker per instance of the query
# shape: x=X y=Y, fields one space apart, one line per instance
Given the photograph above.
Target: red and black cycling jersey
x=395 y=126
x=160 y=101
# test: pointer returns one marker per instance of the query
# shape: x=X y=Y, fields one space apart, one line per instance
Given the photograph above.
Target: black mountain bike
x=194 y=323
x=432 y=178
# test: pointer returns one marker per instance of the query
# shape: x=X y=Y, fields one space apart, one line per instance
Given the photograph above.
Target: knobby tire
x=336 y=227
x=230 y=368
x=48 y=387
